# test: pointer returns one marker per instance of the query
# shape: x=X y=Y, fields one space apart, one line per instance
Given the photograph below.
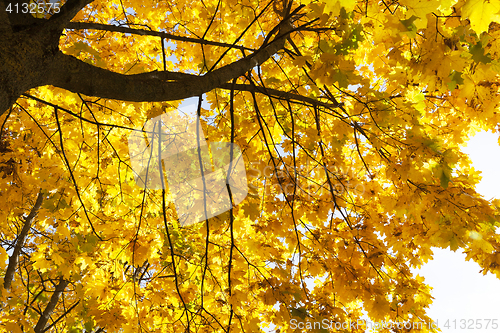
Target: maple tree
x=349 y=114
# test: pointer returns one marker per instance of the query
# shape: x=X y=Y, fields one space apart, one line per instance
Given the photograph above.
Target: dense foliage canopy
x=349 y=115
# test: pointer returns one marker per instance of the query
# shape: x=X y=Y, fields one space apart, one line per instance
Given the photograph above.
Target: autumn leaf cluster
x=351 y=136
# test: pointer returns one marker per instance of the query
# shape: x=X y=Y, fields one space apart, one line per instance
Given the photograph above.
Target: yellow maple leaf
x=481 y=13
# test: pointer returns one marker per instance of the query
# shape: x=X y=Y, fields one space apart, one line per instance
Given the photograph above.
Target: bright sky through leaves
x=350 y=116
x=460 y=291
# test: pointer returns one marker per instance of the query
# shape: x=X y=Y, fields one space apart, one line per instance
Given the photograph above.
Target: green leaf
x=90 y=243
x=273 y=80
x=478 y=55
x=433 y=144
x=341 y=78
x=325 y=46
x=445 y=176
x=55 y=202
x=351 y=38
x=453 y=243
x=89 y=325
x=299 y=312
x=42 y=298
x=456 y=79
x=411 y=28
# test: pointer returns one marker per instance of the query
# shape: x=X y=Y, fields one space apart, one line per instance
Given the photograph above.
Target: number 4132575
x=471 y=324
x=33 y=8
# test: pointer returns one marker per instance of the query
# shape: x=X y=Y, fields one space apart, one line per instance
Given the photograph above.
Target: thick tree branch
x=14 y=258
x=77 y=76
x=5 y=26
x=143 y=32
x=44 y=318
x=15 y=18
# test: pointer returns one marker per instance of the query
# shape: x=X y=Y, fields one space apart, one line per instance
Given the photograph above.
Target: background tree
x=350 y=115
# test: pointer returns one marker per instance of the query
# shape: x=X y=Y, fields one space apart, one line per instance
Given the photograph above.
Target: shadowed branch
x=14 y=258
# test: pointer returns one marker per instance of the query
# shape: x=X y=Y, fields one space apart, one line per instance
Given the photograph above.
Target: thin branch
x=72 y=174
x=231 y=216
x=95 y=122
x=279 y=94
x=241 y=36
x=61 y=316
x=143 y=32
x=14 y=258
